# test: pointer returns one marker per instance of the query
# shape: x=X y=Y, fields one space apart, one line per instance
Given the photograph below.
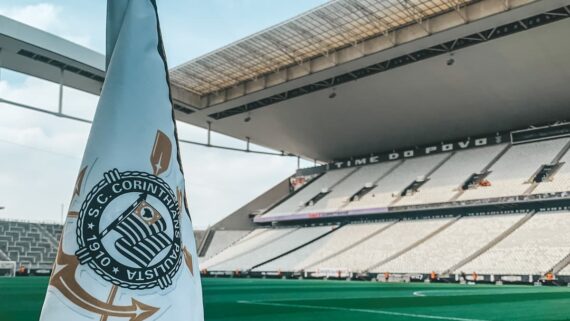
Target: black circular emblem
x=128 y=230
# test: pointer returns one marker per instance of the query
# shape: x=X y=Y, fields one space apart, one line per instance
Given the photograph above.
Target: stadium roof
x=318 y=32
x=393 y=88
x=398 y=89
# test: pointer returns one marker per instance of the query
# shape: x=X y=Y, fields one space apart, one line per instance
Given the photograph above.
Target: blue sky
x=40 y=154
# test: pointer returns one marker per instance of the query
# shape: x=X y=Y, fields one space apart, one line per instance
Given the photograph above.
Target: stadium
x=440 y=136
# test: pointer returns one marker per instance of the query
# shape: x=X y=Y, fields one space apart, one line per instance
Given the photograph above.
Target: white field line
x=411 y=315
x=452 y=293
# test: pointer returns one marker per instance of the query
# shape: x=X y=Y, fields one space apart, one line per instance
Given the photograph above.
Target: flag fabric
x=127 y=251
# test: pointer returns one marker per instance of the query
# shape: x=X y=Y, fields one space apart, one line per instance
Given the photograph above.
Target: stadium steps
x=531 y=188
x=554 y=161
x=47 y=235
x=297 y=248
x=350 y=246
x=229 y=244
x=484 y=170
x=379 y=179
x=426 y=176
x=35 y=257
x=25 y=246
x=561 y=265
x=401 y=162
x=4 y=245
x=561 y=154
x=342 y=179
x=14 y=255
x=413 y=245
x=489 y=245
x=3 y=256
x=206 y=241
x=289 y=195
x=13 y=236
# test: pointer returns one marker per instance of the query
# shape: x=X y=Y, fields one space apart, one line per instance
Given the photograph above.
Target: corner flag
x=127 y=251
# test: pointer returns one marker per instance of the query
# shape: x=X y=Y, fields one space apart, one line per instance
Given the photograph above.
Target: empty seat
x=297 y=201
x=453 y=244
x=444 y=183
x=510 y=174
x=389 y=188
x=30 y=244
x=560 y=181
x=533 y=248
x=267 y=251
x=341 y=239
x=341 y=193
x=223 y=239
x=251 y=241
x=381 y=246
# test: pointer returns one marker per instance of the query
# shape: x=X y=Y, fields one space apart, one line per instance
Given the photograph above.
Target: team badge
x=128 y=230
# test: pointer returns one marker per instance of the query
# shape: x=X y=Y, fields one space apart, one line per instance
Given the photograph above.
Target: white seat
x=533 y=248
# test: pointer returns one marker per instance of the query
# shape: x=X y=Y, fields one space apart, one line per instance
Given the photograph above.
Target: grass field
x=292 y=300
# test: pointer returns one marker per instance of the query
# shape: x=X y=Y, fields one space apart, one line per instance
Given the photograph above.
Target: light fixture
x=333 y=93
x=451 y=60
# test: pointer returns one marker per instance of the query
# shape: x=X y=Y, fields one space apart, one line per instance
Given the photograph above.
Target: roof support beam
x=286 y=64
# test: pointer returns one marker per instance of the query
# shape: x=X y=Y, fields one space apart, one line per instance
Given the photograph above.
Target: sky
x=40 y=154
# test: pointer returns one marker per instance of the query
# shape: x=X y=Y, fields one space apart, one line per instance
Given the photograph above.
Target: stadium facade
x=440 y=128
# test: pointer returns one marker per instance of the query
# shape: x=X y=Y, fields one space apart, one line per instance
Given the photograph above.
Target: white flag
x=128 y=251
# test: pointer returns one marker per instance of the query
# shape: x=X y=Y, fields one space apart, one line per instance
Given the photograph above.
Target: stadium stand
x=29 y=244
x=199 y=236
x=565 y=270
x=534 y=248
x=390 y=187
x=392 y=241
x=522 y=242
x=282 y=242
x=446 y=182
x=319 y=186
x=560 y=180
x=504 y=242
x=513 y=243
x=221 y=240
x=435 y=179
x=3 y=256
x=342 y=192
x=332 y=244
x=473 y=174
x=508 y=244
x=458 y=241
x=510 y=175
x=251 y=241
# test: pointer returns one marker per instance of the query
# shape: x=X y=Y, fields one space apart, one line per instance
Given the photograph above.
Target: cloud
x=33 y=129
x=41 y=154
x=43 y=16
x=47 y=17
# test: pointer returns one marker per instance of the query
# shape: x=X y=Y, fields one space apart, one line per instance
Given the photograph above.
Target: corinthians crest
x=138 y=247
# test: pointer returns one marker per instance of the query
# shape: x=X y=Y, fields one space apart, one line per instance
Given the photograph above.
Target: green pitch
x=292 y=300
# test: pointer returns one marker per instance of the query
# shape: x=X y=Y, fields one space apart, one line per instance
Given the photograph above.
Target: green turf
x=292 y=300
